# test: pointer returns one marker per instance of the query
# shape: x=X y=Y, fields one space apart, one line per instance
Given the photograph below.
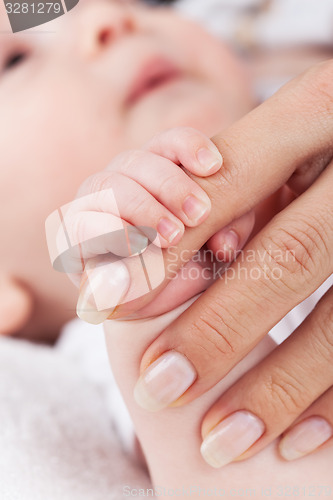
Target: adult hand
x=287 y=139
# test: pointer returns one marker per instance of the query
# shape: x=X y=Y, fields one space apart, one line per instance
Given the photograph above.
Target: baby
x=67 y=110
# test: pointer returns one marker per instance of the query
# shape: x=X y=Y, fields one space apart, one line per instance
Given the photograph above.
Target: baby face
x=75 y=92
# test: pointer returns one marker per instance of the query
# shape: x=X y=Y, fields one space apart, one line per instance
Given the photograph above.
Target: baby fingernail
x=209 y=160
x=137 y=243
x=230 y=245
x=194 y=208
x=164 y=381
x=305 y=437
x=231 y=438
x=168 y=229
x=105 y=287
x=231 y=241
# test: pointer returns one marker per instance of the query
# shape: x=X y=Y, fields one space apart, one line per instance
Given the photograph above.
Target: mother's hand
x=287 y=139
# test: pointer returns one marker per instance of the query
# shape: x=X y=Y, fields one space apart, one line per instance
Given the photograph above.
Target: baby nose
x=100 y=23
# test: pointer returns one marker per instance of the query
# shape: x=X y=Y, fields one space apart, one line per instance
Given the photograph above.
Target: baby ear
x=16 y=305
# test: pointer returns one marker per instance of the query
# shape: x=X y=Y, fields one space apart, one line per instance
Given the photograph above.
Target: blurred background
x=279 y=38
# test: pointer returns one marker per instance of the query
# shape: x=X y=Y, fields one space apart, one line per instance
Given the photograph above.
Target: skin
x=125 y=198
x=171 y=438
x=223 y=323
x=281 y=398
x=281 y=388
x=68 y=83
x=37 y=295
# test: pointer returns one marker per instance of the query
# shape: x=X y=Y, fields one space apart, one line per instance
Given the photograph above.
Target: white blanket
x=265 y=23
x=57 y=441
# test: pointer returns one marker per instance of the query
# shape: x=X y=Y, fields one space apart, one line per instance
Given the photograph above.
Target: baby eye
x=14 y=60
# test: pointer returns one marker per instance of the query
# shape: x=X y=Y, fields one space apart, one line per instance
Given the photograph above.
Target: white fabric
x=84 y=346
x=267 y=27
x=57 y=441
x=290 y=322
x=274 y=23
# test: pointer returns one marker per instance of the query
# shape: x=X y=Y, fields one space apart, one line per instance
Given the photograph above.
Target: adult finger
x=274 y=393
x=312 y=431
x=262 y=152
x=283 y=264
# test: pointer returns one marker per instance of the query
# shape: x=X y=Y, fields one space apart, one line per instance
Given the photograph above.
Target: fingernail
x=168 y=229
x=137 y=243
x=209 y=160
x=305 y=437
x=164 y=381
x=231 y=438
x=231 y=241
x=105 y=287
x=194 y=208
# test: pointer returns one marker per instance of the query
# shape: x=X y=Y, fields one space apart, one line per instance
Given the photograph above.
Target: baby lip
x=152 y=75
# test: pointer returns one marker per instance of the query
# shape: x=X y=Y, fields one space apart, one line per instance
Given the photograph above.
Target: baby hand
x=142 y=196
x=151 y=189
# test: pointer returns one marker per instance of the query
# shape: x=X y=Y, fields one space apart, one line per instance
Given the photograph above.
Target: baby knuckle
x=139 y=204
x=177 y=137
x=124 y=161
x=170 y=184
x=130 y=159
x=134 y=155
x=186 y=137
x=100 y=182
x=160 y=138
x=86 y=186
x=190 y=134
x=183 y=132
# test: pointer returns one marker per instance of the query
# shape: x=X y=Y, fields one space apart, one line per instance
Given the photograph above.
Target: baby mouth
x=153 y=75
